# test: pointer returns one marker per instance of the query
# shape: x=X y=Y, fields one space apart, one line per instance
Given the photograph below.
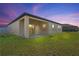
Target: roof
x=24 y=14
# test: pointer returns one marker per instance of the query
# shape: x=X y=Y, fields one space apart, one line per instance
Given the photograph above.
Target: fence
x=3 y=30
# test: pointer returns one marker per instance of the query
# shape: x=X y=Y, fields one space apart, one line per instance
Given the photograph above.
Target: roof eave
x=24 y=14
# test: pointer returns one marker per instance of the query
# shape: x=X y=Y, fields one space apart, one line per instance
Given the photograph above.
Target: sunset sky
x=62 y=13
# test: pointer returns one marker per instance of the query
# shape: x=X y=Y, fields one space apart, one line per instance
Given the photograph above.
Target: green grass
x=61 y=44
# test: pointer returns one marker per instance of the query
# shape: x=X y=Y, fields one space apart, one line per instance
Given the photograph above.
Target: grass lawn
x=57 y=45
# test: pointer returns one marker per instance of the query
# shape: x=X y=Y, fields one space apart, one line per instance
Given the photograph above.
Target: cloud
x=66 y=19
x=3 y=21
x=37 y=7
x=12 y=10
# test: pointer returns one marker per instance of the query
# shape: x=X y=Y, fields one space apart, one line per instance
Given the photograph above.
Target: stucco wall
x=14 y=28
x=55 y=29
x=26 y=26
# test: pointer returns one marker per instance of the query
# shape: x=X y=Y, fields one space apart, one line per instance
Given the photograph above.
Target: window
x=59 y=26
x=52 y=25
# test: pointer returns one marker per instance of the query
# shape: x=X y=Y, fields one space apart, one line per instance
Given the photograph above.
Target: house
x=28 y=25
x=69 y=28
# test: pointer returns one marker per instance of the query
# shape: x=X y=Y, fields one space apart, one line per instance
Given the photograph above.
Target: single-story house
x=28 y=25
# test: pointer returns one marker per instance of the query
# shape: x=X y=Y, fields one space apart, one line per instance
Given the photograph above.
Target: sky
x=64 y=13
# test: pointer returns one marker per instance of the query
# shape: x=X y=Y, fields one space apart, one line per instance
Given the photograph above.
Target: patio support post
x=26 y=27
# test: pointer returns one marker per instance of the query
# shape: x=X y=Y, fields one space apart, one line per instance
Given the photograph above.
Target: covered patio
x=37 y=28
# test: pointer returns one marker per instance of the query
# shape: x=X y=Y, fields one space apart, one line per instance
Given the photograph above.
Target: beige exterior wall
x=55 y=29
x=14 y=28
x=26 y=26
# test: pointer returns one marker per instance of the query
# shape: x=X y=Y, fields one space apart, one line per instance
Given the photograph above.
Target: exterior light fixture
x=44 y=25
x=31 y=26
x=52 y=25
